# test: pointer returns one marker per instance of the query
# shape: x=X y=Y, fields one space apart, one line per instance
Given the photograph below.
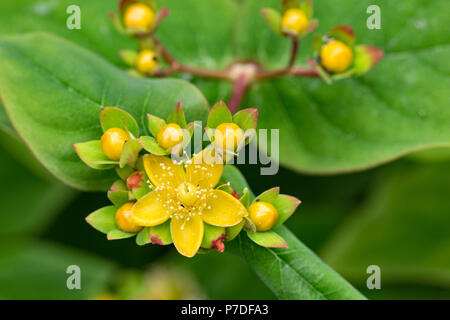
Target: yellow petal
x=162 y=170
x=149 y=210
x=205 y=169
x=187 y=235
x=224 y=210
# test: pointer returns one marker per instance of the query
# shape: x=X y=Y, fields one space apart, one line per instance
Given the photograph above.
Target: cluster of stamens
x=185 y=200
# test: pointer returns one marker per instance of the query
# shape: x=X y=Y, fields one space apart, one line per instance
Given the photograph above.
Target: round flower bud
x=336 y=56
x=263 y=214
x=138 y=15
x=112 y=142
x=124 y=221
x=146 y=62
x=228 y=136
x=169 y=136
x=294 y=20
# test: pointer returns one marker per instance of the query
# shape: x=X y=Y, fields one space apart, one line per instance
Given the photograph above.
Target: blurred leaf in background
x=30 y=269
x=404 y=229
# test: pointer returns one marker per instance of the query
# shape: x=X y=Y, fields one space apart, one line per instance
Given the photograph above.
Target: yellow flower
x=188 y=198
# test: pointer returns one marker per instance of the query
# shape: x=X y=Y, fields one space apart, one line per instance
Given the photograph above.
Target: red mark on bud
x=134 y=181
x=235 y=194
x=156 y=240
x=218 y=243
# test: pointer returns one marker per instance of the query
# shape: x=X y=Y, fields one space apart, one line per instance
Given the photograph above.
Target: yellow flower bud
x=138 y=15
x=263 y=214
x=112 y=142
x=294 y=20
x=146 y=62
x=169 y=136
x=124 y=221
x=336 y=56
x=228 y=136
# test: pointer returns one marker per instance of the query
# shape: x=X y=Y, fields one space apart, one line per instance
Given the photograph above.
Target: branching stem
x=241 y=79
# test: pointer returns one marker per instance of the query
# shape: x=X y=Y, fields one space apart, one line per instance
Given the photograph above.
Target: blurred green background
x=396 y=216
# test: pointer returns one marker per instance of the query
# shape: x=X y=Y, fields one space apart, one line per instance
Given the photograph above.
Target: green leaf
x=177 y=116
x=273 y=19
x=366 y=57
x=143 y=237
x=128 y=56
x=343 y=33
x=219 y=114
x=117 y=234
x=246 y=119
x=104 y=219
x=130 y=153
x=32 y=269
x=37 y=87
x=125 y=172
x=112 y=117
x=245 y=199
x=269 y=195
x=289 y=4
x=118 y=198
x=151 y=145
x=292 y=273
x=155 y=124
x=395 y=109
x=402 y=228
x=233 y=232
x=285 y=206
x=161 y=234
x=268 y=239
x=212 y=238
x=92 y=154
x=30 y=199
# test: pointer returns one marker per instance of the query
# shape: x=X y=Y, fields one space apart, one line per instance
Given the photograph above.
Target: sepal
x=104 y=219
x=268 y=239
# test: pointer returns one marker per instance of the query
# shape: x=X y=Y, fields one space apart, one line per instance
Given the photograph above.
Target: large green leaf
x=404 y=229
x=397 y=108
x=29 y=201
x=53 y=97
x=291 y=273
x=97 y=32
x=38 y=270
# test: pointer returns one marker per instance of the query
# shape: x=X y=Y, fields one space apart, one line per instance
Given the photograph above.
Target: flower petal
x=162 y=170
x=149 y=210
x=187 y=235
x=223 y=210
x=205 y=169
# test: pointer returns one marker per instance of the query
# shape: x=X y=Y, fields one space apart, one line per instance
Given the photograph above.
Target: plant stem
x=294 y=51
x=240 y=86
x=242 y=79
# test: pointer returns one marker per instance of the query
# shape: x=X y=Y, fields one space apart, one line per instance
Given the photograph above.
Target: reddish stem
x=240 y=86
x=294 y=51
x=242 y=80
